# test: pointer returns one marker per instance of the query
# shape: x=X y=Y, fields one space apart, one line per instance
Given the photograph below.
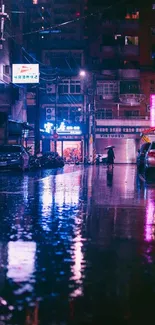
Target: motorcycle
x=34 y=162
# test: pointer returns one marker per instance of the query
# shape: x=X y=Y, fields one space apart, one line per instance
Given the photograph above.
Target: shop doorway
x=70 y=150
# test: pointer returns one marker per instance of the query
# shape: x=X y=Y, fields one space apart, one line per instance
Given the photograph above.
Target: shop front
x=70 y=149
x=125 y=147
x=68 y=141
x=125 y=139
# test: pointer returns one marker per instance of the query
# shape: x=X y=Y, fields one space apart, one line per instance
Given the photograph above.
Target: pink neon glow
x=152 y=110
x=149 y=221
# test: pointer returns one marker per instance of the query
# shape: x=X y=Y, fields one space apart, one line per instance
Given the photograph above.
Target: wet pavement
x=77 y=246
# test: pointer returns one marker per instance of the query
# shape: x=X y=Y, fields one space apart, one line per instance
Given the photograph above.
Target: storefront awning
x=16 y=128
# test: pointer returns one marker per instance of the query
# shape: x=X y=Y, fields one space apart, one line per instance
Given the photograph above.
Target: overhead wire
x=77 y=19
x=55 y=26
x=59 y=25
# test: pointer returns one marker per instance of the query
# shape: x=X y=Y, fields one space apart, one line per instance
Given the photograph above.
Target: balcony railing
x=140 y=117
x=129 y=74
x=109 y=51
x=131 y=25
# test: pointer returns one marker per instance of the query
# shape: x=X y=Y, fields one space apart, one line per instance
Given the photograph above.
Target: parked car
x=141 y=155
x=14 y=156
x=149 y=163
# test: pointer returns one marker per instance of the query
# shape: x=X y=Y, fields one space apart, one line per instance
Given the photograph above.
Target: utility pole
x=94 y=120
x=37 y=122
x=55 y=120
x=3 y=16
x=92 y=123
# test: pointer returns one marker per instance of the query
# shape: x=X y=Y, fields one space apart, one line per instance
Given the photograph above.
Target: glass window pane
x=100 y=90
x=60 y=89
x=72 y=89
x=78 y=89
x=65 y=88
x=111 y=88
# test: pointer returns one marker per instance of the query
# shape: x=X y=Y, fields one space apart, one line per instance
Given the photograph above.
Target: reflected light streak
x=67 y=191
x=21 y=260
x=25 y=188
x=77 y=267
x=46 y=197
x=150 y=220
x=129 y=183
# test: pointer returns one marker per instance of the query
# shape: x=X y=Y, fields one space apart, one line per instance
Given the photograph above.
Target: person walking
x=110 y=158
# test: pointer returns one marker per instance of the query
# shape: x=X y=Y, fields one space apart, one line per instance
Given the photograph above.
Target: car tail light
x=151 y=154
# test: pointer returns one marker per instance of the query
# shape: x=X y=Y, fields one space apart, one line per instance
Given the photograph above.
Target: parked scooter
x=86 y=161
x=34 y=162
x=51 y=160
x=98 y=160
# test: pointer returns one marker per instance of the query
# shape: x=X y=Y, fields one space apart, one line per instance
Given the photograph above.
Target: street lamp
x=91 y=117
x=82 y=73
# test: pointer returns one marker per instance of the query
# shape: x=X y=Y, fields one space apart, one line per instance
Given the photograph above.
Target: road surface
x=77 y=246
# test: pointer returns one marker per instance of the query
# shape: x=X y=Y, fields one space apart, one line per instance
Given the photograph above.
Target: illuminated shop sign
x=48 y=127
x=63 y=129
x=25 y=73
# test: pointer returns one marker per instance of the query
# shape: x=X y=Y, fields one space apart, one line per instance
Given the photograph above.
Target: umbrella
x=108 y=147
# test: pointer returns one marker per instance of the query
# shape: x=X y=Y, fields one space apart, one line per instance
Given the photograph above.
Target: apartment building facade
x=121 y=109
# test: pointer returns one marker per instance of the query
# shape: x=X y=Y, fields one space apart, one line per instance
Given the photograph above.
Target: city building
x=60 y=51
x=147 y=57
x=120 y=103
x=5 y=77
x=13 y=114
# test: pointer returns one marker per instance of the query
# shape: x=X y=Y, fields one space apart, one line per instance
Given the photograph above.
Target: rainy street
x=77 y=246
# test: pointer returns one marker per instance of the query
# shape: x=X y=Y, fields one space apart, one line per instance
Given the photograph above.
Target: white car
x=14 y=156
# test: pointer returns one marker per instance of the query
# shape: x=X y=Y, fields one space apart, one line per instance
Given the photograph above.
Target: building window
x=70 y=114
x=6 y=69
x=117 y=36
x=153 y=52
x=100 y=90
x=131 y=40
x=69 y=87
x=152 y=90
x=153 y=31
x=132 y=15
x=104 y=114
x=106 y=89
x=63 y=88
x=131 y=113
x=129 y=87
x=75 y=87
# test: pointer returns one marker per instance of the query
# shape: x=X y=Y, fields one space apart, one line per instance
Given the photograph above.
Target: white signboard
x=25 y=73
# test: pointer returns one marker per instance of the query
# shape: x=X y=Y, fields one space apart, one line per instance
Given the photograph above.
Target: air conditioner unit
x=48 y=117
x=50 y=89
x=49 y=113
